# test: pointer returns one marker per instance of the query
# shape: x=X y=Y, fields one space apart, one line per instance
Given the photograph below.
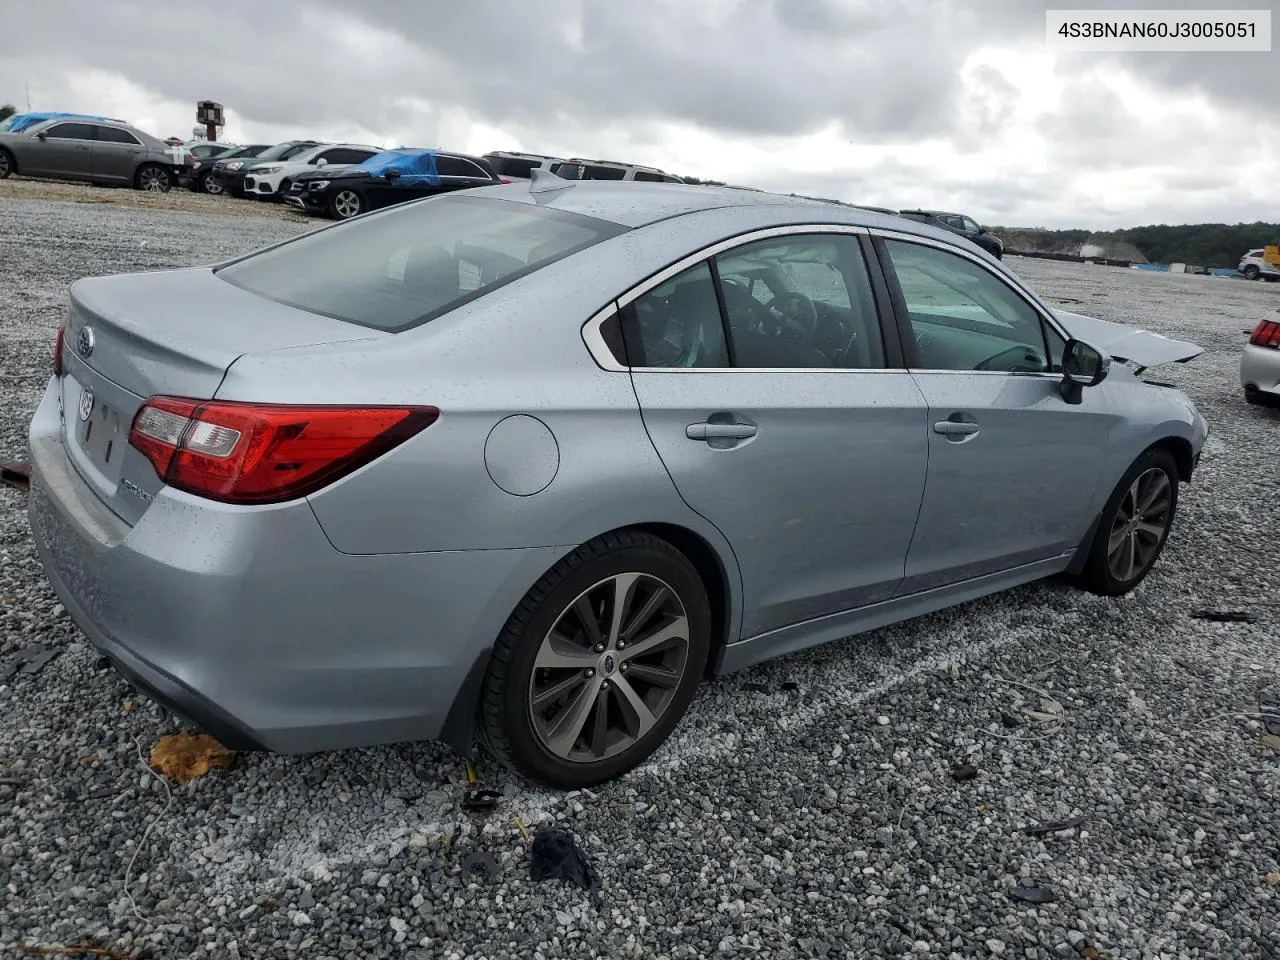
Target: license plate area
x=100 y=437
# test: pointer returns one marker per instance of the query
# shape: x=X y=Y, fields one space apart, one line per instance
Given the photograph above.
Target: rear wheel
x=1134 y=526
x=345 y=205
x=153 y=178
x=7 y=166
x=1251 y=272
x=598 y=663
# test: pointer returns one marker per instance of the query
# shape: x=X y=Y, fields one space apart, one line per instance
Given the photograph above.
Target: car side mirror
x=1083 y=365
x=322 y=162
x=982 y=230
x=42 y=135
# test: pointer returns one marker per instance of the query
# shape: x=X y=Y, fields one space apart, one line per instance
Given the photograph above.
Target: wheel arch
x=13 y=160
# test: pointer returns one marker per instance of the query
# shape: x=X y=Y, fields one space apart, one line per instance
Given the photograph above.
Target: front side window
x=448 y=166
x=963 y=316
x=801 y=301
x=970 y=226
x=677 y=323
x=512 y=166
x=647 y=177
x=395 y=270
x=70 y=131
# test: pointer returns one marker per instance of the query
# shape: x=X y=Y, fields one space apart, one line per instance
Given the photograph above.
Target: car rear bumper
x=250 y=623
x=1260 y=370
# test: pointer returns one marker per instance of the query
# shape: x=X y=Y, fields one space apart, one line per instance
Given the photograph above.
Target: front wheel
x=598 y=663
x=345 y=205
x=153 y=178
x=211 y=185
x=7 y=165
x=1134 y=526
x=1251 y=272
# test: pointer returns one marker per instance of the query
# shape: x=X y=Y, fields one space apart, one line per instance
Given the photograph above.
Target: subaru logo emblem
x=86 y=403
x=608 y=664
x=84 y=342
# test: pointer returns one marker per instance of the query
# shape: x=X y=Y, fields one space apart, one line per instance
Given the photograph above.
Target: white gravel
x=816 y=817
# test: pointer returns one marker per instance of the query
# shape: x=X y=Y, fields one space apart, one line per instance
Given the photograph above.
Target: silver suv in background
x=1254 y=266
x=512 y=165
x=100 y=151
x=579 y=169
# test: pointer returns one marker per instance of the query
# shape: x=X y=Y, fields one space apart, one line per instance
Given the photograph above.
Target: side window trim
x=74 y=123
x=881 y=293
x=903 y=321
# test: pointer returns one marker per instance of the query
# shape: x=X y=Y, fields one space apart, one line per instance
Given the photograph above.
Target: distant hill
x=1205 y=244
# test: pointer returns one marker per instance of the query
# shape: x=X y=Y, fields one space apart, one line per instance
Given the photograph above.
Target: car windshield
x=395 y=270
x=283 y=151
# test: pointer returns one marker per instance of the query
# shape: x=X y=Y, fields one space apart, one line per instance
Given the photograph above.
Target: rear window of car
x=512 y=166
x=398 y=269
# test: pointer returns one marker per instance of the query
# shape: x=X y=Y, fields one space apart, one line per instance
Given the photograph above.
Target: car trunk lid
x=175 y=334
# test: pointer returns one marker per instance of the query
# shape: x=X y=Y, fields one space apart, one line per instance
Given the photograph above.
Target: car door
x=60 y=150
x=116 y=154
x=766 y=388
x=1012 y=467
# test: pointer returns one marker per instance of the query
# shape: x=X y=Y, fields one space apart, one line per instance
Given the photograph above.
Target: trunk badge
x=86 y=403
x=84 y=343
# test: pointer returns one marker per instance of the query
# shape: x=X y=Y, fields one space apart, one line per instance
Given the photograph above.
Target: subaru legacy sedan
x=531 y=461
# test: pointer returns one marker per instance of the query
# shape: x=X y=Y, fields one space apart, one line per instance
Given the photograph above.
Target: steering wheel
x=1025 y=360
x=796 y=311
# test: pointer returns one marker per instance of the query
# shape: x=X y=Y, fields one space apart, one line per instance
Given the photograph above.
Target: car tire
x=564 y=741
x=153 y=178
x=281 y=190
x=1124 y=549
x=1251 y=272
x=8 y=165
x=345 y=205
x=211 y=185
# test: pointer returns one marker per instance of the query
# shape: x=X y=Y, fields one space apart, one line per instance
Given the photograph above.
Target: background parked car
x=205 y=149
x=231 y=172
x=271 y=179
x=579 y=169
x=1255 y=265
x=519 y=166
x=203 y=179
x=958 y=223
x=104 y=151
x=385 y=179
x=1260 y=363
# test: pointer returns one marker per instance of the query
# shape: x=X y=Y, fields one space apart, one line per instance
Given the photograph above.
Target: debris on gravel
x=178 y=199
x=790 y=825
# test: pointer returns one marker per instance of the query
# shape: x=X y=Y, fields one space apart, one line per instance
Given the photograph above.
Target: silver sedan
x=537 y=459
x=1260 y=362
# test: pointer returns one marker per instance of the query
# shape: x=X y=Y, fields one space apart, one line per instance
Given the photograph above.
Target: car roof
x=633 y=204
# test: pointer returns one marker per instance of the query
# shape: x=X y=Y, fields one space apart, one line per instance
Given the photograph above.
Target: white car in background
x=1254 y=267
x=272 y=179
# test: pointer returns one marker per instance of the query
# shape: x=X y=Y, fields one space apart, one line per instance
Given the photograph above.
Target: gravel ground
x=806 y=808
x=177 y=199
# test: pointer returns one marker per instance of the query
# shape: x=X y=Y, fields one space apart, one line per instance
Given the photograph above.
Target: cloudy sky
x=949 y=103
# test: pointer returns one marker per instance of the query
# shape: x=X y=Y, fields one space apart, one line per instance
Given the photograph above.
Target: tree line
x=1205 y=244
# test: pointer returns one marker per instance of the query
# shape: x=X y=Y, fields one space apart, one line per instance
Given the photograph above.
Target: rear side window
x=512 y=166
x=678 y=323
x=448 y=166
x=395 y=270
x=647 y=177
x=603 y=173
x=116 y=135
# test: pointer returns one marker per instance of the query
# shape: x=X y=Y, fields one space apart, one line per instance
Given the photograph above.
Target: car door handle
x=720 y=431
x=956 y=428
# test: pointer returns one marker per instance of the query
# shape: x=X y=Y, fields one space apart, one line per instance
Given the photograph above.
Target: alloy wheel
x=347 y=203
x=4 y=165
x=1141 y=521
x=154 y=180
x=212 y=185
x=609 y=667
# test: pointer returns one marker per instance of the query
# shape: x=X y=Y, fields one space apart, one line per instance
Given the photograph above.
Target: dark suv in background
x=958 y=223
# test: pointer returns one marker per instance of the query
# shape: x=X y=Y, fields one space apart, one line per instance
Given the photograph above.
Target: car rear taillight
x=504 y=179
x=57 y=350
x=265 y=453
x=1266 y=334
